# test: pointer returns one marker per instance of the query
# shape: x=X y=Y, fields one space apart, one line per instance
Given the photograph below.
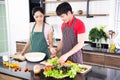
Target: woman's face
x=39 y=17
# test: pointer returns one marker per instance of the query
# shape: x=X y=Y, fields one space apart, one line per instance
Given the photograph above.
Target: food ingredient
x=27 y=69
x=12 y=65
x=58 y=70
x=36 y=69
x=15 y=66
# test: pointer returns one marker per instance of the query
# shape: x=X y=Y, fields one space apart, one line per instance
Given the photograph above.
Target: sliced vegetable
x=57 y=70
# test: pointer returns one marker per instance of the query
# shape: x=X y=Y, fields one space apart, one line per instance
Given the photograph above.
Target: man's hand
x=63 y=58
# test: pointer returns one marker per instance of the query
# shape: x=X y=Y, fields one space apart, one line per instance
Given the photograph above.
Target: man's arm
x=77 y=47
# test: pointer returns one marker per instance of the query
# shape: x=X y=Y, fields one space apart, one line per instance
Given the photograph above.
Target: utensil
x=35 y=56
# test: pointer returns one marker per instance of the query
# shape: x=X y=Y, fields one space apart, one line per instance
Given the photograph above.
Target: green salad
x=58 y=70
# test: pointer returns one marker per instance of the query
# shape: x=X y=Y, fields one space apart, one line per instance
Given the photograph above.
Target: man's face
x=65 y=18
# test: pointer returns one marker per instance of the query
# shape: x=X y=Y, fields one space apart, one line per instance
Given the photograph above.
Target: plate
x=35 y=56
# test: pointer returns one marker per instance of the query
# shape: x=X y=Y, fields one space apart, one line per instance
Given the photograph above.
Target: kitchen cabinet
x=112 y=61
x=93 y=58
x=87 y=13
x=101 y=58
x=32 y=4
x=6 y=77
x=20 y=46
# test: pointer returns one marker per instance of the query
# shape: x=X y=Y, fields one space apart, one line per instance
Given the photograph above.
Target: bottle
x=112 y=46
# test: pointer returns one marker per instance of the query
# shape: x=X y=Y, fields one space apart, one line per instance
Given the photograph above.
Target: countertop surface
x=87 y=47
x=55 y=42
x=97 y=72
x=22 y=74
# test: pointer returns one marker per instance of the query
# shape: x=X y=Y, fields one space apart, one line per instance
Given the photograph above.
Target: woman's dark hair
x=63 y=8
x=37 y=8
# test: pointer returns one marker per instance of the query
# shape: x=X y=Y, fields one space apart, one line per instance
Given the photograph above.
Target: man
x=73 y=34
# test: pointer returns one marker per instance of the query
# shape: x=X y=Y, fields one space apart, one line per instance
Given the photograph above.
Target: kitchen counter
x=97 y=73
x=22 y=75
x=55 y=42
x=101 y=57
x=88 y=47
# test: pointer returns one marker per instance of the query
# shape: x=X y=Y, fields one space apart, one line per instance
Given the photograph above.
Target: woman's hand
x=18 y=53
x=52 y=55
x=53 y=52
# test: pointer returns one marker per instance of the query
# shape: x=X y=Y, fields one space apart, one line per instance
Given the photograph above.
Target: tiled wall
x=3 y=29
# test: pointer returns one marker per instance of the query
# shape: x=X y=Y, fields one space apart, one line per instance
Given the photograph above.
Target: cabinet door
x=6 y=77
x=93 y=58
x=112 y=61
x=20 y=46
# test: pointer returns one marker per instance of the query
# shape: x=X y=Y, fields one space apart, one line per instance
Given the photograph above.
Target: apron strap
x=43 y=27
x=33 y=27
x=73 y=23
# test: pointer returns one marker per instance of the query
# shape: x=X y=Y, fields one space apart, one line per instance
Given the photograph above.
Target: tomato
x=48 y=67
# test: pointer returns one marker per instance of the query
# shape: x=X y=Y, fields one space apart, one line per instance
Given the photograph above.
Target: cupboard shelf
x=88 y=15
x=81 y=15
x=59 y=1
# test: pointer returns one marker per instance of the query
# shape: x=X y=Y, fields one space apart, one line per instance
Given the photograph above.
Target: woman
x=40 y=34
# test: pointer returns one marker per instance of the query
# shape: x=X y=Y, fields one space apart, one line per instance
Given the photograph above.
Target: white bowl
x=35 y=56
x=5 y=58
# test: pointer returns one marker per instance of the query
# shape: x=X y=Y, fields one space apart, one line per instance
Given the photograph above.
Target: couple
x=73 y=35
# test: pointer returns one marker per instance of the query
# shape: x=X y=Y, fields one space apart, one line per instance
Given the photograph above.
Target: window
x=117 y=16
x=3 y=29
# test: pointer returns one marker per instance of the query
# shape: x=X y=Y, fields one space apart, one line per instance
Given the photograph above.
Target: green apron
x=38 y=42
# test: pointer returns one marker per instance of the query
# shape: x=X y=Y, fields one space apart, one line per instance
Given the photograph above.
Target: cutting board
x=88 y=68
x=18 y=57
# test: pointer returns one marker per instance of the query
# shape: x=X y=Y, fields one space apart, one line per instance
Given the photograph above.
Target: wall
x=18 y=18
x=17 y=21
x=95 y=8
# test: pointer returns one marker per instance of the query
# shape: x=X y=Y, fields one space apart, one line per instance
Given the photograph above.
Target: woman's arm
x=50 y=39
x=27 y=45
